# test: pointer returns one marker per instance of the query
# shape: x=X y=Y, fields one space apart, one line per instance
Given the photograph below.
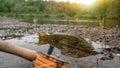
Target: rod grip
x=17 y=50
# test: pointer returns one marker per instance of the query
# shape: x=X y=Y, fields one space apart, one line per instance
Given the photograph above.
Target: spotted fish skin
x=69 y=40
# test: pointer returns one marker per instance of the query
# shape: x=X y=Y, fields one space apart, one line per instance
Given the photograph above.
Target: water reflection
x=88 y=22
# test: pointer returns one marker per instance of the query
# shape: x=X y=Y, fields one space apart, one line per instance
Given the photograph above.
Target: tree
x=114 y=9
x=6 y=5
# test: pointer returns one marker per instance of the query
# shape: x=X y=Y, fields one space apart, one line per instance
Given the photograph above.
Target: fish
x=68 y=44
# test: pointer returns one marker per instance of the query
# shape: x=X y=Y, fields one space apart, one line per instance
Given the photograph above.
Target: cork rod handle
x=17 y=50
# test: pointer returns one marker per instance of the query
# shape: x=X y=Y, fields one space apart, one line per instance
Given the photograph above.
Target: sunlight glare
x=86 y=2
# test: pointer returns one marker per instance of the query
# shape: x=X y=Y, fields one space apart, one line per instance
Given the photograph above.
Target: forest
x=101 y=9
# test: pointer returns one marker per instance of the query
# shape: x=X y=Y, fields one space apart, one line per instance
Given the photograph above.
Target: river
x=30 y=40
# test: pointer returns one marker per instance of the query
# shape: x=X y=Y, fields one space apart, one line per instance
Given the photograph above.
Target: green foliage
x=107 y=8
x=6 y=5
x=62 y=16
x=115 y=6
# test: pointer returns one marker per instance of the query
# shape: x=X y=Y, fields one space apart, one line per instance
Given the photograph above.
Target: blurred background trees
x=101 y=9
